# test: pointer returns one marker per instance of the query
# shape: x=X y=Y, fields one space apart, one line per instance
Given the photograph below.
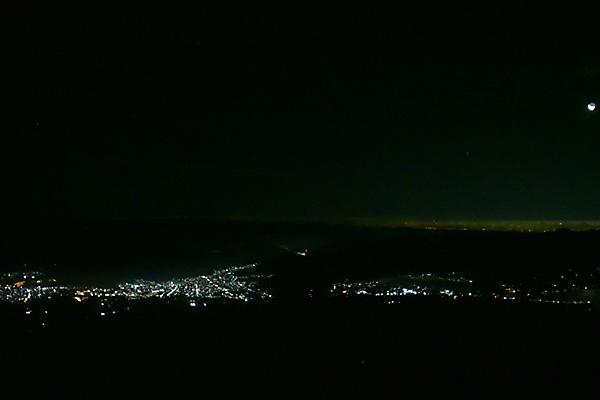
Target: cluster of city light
x=571 y=288
x=221 y=284
x=450 y=285
x=22 y=287
x=456 y=287
x=14 y=293
x=407 y=286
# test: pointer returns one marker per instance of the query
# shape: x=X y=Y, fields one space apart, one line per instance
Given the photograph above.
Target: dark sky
x=296 y=110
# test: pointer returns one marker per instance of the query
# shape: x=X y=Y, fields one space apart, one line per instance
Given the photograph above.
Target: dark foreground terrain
x=317 y=348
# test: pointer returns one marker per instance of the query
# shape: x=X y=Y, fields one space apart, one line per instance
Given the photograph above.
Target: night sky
x=300 y=111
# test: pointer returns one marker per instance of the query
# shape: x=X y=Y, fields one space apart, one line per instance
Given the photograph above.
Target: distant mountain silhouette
x=487 y=257
x=164 y=249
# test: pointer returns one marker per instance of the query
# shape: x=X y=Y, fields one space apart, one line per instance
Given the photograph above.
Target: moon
x=591 y=106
